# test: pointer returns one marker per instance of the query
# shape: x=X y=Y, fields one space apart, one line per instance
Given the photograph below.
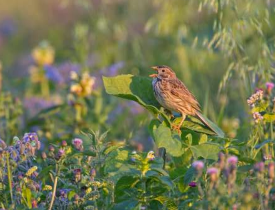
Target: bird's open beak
x=154 y=75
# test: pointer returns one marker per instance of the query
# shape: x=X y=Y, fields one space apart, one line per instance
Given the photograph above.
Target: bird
x=173 y=95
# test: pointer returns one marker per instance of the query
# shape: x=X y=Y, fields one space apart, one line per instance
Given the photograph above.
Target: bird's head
x=163 y=72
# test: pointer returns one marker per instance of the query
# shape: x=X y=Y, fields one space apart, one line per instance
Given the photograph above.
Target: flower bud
x=51 y=148
x=44 y=155
x=64 y=143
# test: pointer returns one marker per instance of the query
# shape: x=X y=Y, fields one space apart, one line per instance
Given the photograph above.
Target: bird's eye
x=163 y=70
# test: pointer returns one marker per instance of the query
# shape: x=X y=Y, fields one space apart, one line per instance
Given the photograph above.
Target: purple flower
x=192 y=184
x=7 y=27
x=28 y=137
x=198 y=165
x=269 y=85
x=232 y=160
x=61 y=152
x=212 y=170
x=53 y=74
x=77 y=142
x=259 y=167
x=36 y=104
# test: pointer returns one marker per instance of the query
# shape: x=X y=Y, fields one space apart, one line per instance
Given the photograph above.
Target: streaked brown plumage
x=173 y=95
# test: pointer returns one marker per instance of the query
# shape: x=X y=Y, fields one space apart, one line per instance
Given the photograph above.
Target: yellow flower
x=47 y=187
x=43 y=54
x=89 y=190
x=31 y=171
x=26 y=179
x=84 y=87
x=151 y=155
x=76 y=89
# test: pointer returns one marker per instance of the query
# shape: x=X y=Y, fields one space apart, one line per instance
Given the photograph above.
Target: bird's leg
x=177 y=127
x=168 y=113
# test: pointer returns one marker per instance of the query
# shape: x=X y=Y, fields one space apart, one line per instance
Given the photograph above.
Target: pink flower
x=61 y=152
x=269 y=86
x=198 y=165
x=257 y=117
x=232 y=160
x=192 y=184
x=212 y=170
x=77 y=142
x=259 y=167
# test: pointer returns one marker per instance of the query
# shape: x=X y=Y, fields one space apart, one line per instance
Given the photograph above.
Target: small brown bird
x=173 y=95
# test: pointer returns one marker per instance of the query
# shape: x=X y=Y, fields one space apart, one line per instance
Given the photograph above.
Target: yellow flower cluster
x=31 y=171
x=89 y=190
x=47 y=188
x=43 y=54
x=84 y=87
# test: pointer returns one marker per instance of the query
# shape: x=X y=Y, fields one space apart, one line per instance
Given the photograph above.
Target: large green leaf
x=134 y=88
x=206 y=151
x=164 y=138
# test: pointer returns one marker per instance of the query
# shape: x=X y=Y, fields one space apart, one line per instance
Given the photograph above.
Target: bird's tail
x=205 y=122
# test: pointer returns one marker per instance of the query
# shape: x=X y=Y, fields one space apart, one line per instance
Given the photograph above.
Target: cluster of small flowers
x=257 y=117
x=228 y=168
x=255 y=97
x=82 y=86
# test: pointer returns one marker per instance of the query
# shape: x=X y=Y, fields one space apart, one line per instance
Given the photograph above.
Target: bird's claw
x=176 y=128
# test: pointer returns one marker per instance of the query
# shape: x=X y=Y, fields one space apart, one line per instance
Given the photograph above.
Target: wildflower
x=259 y=167
x=34 y=203
x=51 y=148
x=269 y=87
x=232 y=160
x=29 y=137
x=84 y=87
x=198 y=165
x=47 y=188
x=213 y=173
x=43 y=54
x=257 y=117
x=192 y=184
x=77 y=174
x=255 y=97
x=89 y=190
x=64 y=143
x=31 y=171
x=60 y=153
x=73 y=75
x=77 y=142
x=44 y=155
x=93 y=172
x=151 y=155
x=3 y=145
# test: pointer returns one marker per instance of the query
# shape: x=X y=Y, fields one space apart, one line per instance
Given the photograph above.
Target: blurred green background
x=222 y=50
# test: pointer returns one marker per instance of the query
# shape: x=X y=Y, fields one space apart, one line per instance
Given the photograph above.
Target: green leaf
x=27 y=194
x=206 y=151
x=259 y=146
x=163 y=138
x=133 y=88
x=115 y=160
x=260 y=107
x=269 y=117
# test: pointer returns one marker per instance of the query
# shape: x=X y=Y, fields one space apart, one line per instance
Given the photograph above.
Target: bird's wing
x=178 y=89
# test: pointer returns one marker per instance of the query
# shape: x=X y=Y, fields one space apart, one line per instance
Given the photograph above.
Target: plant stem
x=54 y=189
x=9 y=176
